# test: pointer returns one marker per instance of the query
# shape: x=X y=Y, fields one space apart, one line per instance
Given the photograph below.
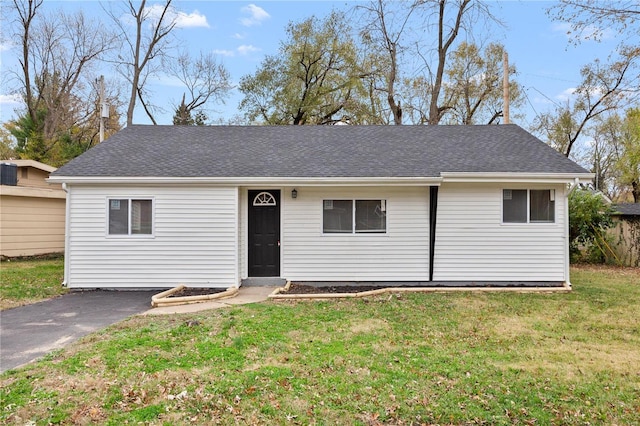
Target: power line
x=550 y=78
x=545 y=96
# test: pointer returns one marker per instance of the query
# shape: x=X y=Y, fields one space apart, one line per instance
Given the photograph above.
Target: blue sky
x=242 y=33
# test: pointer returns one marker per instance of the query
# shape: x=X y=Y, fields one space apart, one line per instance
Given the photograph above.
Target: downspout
x=433 y=211
x=567 y=262
x=573 y=187
x=67 y=209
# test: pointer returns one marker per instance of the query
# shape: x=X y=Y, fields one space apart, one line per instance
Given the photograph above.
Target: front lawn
x=443 y=358
x=29 y=281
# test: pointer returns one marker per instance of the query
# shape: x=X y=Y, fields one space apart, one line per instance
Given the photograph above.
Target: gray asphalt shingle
x=627 y=209
x=317 y=151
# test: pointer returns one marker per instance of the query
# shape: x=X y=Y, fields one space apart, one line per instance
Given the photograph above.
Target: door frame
x=279 y=198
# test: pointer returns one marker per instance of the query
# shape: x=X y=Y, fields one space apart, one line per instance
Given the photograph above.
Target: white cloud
x=245 y=49
x=541 y=100
x=6 y=46
x=256 y=15
x=182 y=19
x=242 y=50
x=566 y=94
x=238 y=36
x=224 y=52
x=167 y=80
x=590 y=32
x=191 y=20
x=10 y=100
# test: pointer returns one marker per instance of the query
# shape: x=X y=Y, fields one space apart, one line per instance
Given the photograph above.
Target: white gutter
x=574 y=186
x=67 y=209
x=246 y=181
x=493 y=177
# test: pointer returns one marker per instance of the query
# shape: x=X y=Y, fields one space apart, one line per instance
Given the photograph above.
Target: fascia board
x=517 y=177
x=31 y=163
x=30 y=191
x=244 y=181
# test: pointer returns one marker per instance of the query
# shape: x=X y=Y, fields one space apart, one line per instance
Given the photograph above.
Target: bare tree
x=143 y=49
x=433 y=28
x=26 y=11
x=604 y=88
x=206 y=81
x=59 y=51
x=590 y=19
x=447 y=34
x=383 y=30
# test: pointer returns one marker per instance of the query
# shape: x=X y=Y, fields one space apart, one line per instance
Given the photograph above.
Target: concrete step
x=263 y=282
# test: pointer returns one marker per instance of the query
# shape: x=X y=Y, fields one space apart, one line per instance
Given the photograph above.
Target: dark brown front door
x=264 y=233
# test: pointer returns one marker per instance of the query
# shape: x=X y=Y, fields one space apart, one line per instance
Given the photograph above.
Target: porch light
x=294 y=193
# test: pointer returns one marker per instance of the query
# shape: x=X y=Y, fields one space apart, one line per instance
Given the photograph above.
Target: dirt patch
x=46 y=256
x=196 y=292
x=573 y=359
x=310 y=289
x=369 y=326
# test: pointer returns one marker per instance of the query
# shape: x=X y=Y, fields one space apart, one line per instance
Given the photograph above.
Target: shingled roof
x=317 y=151
x=627 y=209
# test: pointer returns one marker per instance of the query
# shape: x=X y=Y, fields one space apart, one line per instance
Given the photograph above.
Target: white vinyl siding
x=194 y=240
x=473 y=244
x=243 y=229
x=400 y=254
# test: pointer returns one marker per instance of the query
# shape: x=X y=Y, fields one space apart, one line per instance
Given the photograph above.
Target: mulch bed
x=309 y=289
x=196 y=292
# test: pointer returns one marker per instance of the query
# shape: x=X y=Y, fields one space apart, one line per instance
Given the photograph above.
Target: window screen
x=141 y=216
x=542 y=205
x=129 y=217
x=514 y=205
x=118 y=217
x=371 y=216
x=337 y=216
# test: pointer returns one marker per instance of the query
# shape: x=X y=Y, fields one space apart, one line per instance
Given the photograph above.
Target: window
x=130 y=216
x=528 y=205
x=345 y=216
x=542 y=206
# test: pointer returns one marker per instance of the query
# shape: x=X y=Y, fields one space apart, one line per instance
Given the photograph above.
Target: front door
x=264 y=233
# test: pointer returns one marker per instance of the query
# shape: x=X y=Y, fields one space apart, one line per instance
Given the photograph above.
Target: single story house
x=158 y=206
x=32 y=211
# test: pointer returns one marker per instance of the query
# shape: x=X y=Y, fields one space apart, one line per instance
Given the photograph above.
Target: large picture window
x=528 y=206
x=354 y=216
x=130 y=216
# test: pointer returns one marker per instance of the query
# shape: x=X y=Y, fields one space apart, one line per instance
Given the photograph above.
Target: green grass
x=503 y=359
x=29 y=281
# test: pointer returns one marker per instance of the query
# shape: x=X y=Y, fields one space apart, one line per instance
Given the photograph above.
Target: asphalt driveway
x=32 y=331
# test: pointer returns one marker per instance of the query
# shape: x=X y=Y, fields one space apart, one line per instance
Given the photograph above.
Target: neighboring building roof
x=627 y=209
x=317 y=151
x=31 y=163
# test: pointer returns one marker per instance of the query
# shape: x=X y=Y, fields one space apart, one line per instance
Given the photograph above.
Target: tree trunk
x=26 y=17
x=435 y=111
x=136 y=61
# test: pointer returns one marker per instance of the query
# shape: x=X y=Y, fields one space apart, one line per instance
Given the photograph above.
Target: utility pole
x=104 y=108
x=505 y=86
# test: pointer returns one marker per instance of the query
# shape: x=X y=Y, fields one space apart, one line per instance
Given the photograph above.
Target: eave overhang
x=248 y=181
x=516 y=177
x=29 y=191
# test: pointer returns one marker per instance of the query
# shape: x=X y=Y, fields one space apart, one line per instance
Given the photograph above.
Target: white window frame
x=383 y=202
x=129 y=234
x=552 y=193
